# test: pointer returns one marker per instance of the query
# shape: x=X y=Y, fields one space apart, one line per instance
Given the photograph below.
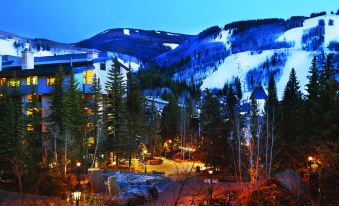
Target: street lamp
x=210 y=172
x=76 y=194
x=78 y=165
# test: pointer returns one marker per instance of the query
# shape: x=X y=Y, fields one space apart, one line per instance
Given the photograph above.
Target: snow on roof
x=157 y=99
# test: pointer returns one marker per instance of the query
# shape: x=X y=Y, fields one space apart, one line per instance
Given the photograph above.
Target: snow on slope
x=224 y=37
x=171 y=45
x=236 y=65
x=300 y=60
x=126 y=32
x=331 y=32
x=239 y=64
x=7 y=48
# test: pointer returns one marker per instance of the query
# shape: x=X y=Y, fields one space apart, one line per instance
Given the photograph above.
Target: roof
x=258 y=92
x=157 y=99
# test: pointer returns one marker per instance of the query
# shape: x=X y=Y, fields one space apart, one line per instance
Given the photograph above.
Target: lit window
x=88 y=76
x=14 y=82
x=50 y=81
x=31 y=110
x=32 y=80
x=2 y=81
x=30 y=127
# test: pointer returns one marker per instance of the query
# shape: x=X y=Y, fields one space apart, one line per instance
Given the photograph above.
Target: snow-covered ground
x=171 y=167
x=171 y=45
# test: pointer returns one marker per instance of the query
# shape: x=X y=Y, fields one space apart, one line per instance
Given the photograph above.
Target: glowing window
x=30 y=127
x=50 y=81
x=2 y=81
x=88 y=76
x=14 y=82
x=33 y=80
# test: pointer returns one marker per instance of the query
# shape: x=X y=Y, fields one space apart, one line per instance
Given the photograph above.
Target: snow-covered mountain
x=141 y=44
x=12 y=44
x=255 y=48
x=245 y=49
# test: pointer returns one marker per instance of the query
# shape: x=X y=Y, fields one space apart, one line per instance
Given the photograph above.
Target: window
x=2 y=81
x=32 y=80
x=103 y=66
x=14 y=82
x=50 y=81
x=88 y=76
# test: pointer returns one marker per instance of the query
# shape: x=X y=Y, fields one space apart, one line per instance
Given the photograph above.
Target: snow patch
x=224 y=38
x=126 y=32
x=171 y=45
x=299 y=60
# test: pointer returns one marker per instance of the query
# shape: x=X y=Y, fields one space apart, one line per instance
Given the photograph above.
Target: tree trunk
x=266 y=143
x=272 y=142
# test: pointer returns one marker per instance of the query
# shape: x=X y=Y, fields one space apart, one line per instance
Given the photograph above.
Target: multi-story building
x=27 y=70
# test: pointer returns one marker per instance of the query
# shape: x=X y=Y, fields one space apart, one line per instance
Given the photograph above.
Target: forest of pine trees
x=249 y=144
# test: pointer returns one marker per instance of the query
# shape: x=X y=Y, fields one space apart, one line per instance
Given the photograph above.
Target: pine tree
x=215 y=144
x=271 y=118
x=135 y=104
x=57 y=118
x=33 y=136
x=117 y=122
x=74 y=119
x=238 y=86
x=312 y=105
x=291 y=116
x=97 y=118
x=327 y=97
x=170 y=119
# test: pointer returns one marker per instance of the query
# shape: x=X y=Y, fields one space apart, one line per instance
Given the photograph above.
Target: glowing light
x=310 y=158
x=78 y=164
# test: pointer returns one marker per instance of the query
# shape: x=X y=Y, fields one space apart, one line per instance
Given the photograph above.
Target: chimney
x=92 y=55
x=27 y=59
x=0 y=62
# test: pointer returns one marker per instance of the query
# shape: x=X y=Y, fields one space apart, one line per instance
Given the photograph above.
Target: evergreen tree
x=327 y=97
x=96 y=118
x=135 y=104
x=291 y=117
x=311 y=110
x=118 y=133
x=170 y=119
x=57 y=117
x=238 y=86
x=271 y=118
x=215 y=145
x=74 y=118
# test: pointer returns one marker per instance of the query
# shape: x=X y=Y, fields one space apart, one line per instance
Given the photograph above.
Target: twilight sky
x=74 y=20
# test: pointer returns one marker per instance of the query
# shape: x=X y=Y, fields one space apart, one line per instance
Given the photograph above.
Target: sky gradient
x=74 y=20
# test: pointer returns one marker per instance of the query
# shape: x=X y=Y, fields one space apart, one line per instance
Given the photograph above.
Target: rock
x=113 y=186
x=125 y=187
x=153 y=191
x=97 y=181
